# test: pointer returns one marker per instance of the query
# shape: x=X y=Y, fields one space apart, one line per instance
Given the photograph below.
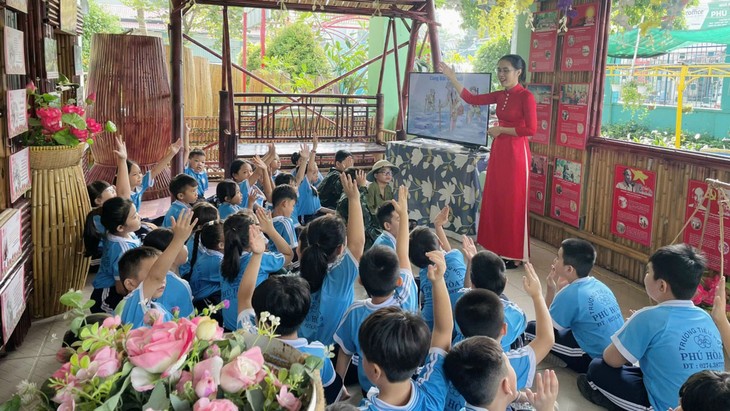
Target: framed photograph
x=50 y=48
x=10 y=240
x=19 y=170
x=78 y=66
x=17 y=114
x=14 y=51
x=17 y=5
x=12 y=302
x=69 y=12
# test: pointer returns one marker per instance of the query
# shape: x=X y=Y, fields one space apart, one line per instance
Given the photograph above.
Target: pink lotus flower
x=106 y=362
x=206 y=377
x=184 y=378
x=206 y=386
x=287 y=400
x=243 y=371
x=93 y=126
x=70 y=108
x=63 y=372
x=91 y=98
x=112 y=322
x=30 y=88
x=50 y=118
x=204 y=404
x=67 y=406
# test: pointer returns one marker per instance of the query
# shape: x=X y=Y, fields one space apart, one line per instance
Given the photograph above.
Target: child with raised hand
x=230 y=197
x=286 y=297
x=284 y=200
x=237 y=253
x=390 y=359
x=204 y=212
x=139 y=182
x=177 y=292
x=422 y=241
x=372 y=228
x=482 y=374
x=205 y=279
x=387 y=278
x=151 y=285
x=243 y=173
x=329 y=263
x=309 y=206
x=120 y=220
x=719 y=313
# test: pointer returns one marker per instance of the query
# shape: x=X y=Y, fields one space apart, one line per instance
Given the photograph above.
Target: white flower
x=437 y=161
x=460 y=160
x=447 y=193
x=427 y=188
x=469 y=195
x=457 y=223
x=416 y=156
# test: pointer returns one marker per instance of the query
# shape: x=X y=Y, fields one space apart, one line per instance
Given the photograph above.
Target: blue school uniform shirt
x=270 y=262
x=138 y=192
x=428 y=392
x=524 y=363
x=386 y=239
x=206 y=277
x=330 y=303
x=185 y=267
x=670 y=341
x=114 y=247
x=247 y=321
x=174 y=211
x=308 y=202
x=177 y=294
x=589 y=309
x=201 y=178
x=135 y=306
x=320 y=177
x=454 y=277
x=348 y=331
x=285 y=227
x=514 y=317
x=226 y=209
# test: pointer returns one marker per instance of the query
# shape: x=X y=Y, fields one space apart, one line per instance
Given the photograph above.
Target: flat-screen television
x=436 y=111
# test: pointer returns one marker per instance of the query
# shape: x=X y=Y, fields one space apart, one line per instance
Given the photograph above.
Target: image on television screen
x=436 y=111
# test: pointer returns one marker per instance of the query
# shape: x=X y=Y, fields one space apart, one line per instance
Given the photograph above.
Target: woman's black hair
x=95 y=189
x=226 y=190
x=235 y=242
x=325 y=235
x=209 y=235
x=113 y=212
x=518 y=63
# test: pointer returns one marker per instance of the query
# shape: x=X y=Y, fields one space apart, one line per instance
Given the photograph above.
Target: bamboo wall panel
x=203 y=88
x=129 y=76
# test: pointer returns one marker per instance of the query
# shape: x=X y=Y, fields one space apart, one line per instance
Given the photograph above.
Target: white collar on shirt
x=389 y=235
x=208 y=251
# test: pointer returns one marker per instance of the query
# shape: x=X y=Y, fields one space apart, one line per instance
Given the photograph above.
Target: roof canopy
x=657 y=41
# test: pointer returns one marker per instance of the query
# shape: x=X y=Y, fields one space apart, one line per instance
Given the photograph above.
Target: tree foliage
x=294 y=50
x=497 y=22
x=488 y=55
x=647 y=14
x=344 y=59
x=97 y=21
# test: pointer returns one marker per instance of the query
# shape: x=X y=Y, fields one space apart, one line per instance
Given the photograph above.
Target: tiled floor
x=35 y=359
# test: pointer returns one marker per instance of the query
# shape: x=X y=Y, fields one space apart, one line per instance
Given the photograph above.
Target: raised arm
x=441 y=219
x=186 y=145
x=265 y=178
x=267 y=227
x=719 y=313
x=123 y=188
x=449 y=73
x=169 y=154
x=355 y=222
x=443 y=320
x=302 y=170
x=402 y=243
x=312 y=168
x=544 y=336
x=181 y=229
x=257 y=244
x=469 y=250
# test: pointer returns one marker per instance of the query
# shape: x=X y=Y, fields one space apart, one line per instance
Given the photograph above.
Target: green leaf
x=88 y=304
x=313 y=363
x=49 y=97
x=179 y=404
x=74 y=120
x=110 y=127
x=12 y=405
x=158 y=399
x=255 y=399
x=113 y=401
x=76 y=324
x=34 y=122
x=65 y=138
x=72 y=299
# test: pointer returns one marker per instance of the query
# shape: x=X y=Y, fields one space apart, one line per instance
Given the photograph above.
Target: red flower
x=93 y=126
x=50 y=118
x=70 y=108
x=91 y=98
x=82 y=135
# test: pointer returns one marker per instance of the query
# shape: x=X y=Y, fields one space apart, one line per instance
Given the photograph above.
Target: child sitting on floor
x=177 y=291
x=204 y=212
x=284 y=200
x=229 y=198
x=205 y=279
x=390 y=221
x=184 y=190
x=195 y=168
x=372 y=228
x=705 y=390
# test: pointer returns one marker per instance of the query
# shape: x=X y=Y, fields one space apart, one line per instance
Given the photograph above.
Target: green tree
x=488 y=55
x=97 y=21
x=296 y=51
x=146 y=6
x=344 y=59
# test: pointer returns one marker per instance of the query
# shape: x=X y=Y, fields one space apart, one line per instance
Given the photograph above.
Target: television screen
x=436 y=111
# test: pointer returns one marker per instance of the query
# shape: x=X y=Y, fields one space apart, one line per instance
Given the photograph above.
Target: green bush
x=637 y=133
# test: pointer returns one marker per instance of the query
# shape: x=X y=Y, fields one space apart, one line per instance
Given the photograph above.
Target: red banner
x=565 y=204
x=544 y=98
x=544 y=42
x=579 y=43
x=633 y=204
x=538 y=184
x=572 y=128
x=712 y=243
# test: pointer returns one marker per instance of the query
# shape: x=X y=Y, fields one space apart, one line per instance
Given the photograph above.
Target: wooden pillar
x=385 y=55
x=433 y=34
x=176 y=70
x=229 y=147
x=410 y=61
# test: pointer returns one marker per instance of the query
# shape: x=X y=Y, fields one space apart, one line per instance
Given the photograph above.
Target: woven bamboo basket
x=129 y=76
x=59 y=205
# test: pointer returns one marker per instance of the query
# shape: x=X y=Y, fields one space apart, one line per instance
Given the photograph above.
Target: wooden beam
x=410 y=61
x=384 y=55
x=433 y=35
x=230 y=149
x=176 y=71
x=401 y=112
x=307 y=7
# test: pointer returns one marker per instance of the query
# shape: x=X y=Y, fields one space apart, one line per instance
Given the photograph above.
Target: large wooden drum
x=129 y=76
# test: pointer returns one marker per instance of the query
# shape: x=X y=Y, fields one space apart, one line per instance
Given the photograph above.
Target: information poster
x=14 y=51
x=544 y=41
x=632 y=212
x=50 y=49
x=68 y=16
x=12 y=302
x=572 y=127
x=544 y=98
x=712 y=244
x=565 y=204
x=17 y=114
x=538 y=184
x=579 y=43
x=19 y=5
x=19 y=171
x=10 y=239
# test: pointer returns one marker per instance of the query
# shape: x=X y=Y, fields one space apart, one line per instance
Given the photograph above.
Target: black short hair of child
x=158 y=238
x=342 y=155
x=487 y=272
x=705 y=390
x=236 y=166
x=379 y=271
x=295 y=156
x=325 y=235
x=235 y=242
x=681 y=266
x=95 y=189
x=422 y=240
x=195 y=153
x=129 y=262
x=226 y=190
x=479 y=312
x=284 y=178
x=385 y=213
x=180 y=182
x=396 y=340
x=283 y=192
x=204 y=212
x=286 y=297
x=579 y=254
x=476 y=367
